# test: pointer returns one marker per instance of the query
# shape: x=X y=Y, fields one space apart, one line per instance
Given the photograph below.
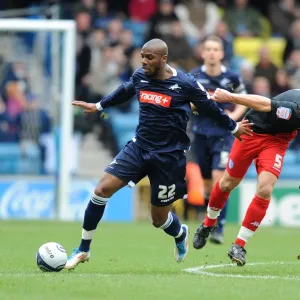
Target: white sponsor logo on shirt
x=284 y=113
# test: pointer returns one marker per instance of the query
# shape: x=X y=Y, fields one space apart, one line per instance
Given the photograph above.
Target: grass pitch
x=135 y=261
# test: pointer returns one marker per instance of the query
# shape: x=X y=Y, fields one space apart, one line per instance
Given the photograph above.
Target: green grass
x=135 y=261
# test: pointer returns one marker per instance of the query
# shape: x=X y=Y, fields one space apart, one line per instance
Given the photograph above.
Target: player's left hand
x=87 y=107
x=244 y=128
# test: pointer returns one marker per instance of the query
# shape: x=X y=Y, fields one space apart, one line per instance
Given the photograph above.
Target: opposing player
x=212 y=142
x=275 y=124
x=157 y=150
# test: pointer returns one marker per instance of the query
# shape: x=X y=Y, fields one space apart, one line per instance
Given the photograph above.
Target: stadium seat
x=249 y=48
x=9 y=158
x=290 y=158
x=17 y=160
x=123 y=139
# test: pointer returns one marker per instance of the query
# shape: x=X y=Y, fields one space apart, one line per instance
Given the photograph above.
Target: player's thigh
x=241 y=157
x=272 y=157
x=128 y=166
x=108 y=185
x=166 y=173
x=265 y=184
x=200 y=148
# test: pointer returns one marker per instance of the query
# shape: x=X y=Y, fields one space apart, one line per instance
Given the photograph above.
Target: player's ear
x=164 y=58
x=223 y=54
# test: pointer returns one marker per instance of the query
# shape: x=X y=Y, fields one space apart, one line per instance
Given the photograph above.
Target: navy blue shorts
x=211 y=153
x=166 y=172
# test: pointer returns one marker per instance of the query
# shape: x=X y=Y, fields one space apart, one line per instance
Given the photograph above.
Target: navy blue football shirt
x=165 y=109
x=230 y=81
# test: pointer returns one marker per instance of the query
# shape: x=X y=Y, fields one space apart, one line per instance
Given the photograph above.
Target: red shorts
x=266 y=150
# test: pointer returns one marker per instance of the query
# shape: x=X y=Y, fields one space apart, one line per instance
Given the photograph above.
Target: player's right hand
x=88 y=107
x=221 y=95
x=244 y=128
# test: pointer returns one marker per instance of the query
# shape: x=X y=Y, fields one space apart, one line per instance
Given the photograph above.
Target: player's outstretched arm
x=122 y=94
x=256 y=102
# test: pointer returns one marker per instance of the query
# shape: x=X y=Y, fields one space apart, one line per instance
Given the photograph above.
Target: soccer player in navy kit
x=212 y=142
x=158 y=148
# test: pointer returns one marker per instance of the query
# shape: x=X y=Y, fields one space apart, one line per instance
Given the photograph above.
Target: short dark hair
x=214 y=38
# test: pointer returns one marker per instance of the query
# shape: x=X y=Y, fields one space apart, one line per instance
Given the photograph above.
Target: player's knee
x=264 y=191
x=227 y=184
x=103 y=191
x=157 y=221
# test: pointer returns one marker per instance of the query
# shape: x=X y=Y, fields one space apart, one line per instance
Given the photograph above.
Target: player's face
x=212 y=53
x=152 y=61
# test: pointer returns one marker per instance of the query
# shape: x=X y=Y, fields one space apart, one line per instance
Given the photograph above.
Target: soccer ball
x=51 y=257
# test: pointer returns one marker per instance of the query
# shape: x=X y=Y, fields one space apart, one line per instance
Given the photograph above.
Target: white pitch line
x=202 y=271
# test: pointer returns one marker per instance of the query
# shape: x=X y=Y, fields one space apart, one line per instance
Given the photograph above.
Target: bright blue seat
x=123 y=139
x=9 y=158
x=290 y=157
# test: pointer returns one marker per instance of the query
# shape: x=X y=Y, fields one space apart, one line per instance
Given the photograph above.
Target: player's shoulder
x=188 y=80
x=138 y=75
x=292 y=95
x=197 y=71
x=230 y=74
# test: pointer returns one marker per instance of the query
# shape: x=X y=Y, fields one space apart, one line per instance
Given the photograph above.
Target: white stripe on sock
x=212 y=214
x=99 y=200
x=245 y=234
x=168 y=222
x=180 y=233
x=87 y=234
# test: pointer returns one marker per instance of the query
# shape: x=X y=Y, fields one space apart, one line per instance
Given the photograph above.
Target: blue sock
x=222 y=219
x=173 y=228
x=92 y=217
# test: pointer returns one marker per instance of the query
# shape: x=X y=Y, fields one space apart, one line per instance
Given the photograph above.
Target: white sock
x=212 y=214
x=87 y=234
x=245 y=234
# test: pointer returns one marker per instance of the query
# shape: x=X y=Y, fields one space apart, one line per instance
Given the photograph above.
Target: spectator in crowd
x=281 y=82
x=105 y=75
x=8 y=127
x=180 y=52
x=114 y=31
x=265 y=66
x=293 y=40
x=198 y=50
x=222 y=31
x=120 y=7
x=83 y=54
x=243 y=20
x=247 y=73
x=293 y=62
x=101 y=16
x=282 y=14
x=261 y=86
x=141 y=10
x=88 y=5
x=198 y=18
x=292 y=67
x=14 y=88
x=98 y=43
x=160 y=24
x=126 y=40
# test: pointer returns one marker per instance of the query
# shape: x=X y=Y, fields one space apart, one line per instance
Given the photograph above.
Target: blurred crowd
x=110 y=35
